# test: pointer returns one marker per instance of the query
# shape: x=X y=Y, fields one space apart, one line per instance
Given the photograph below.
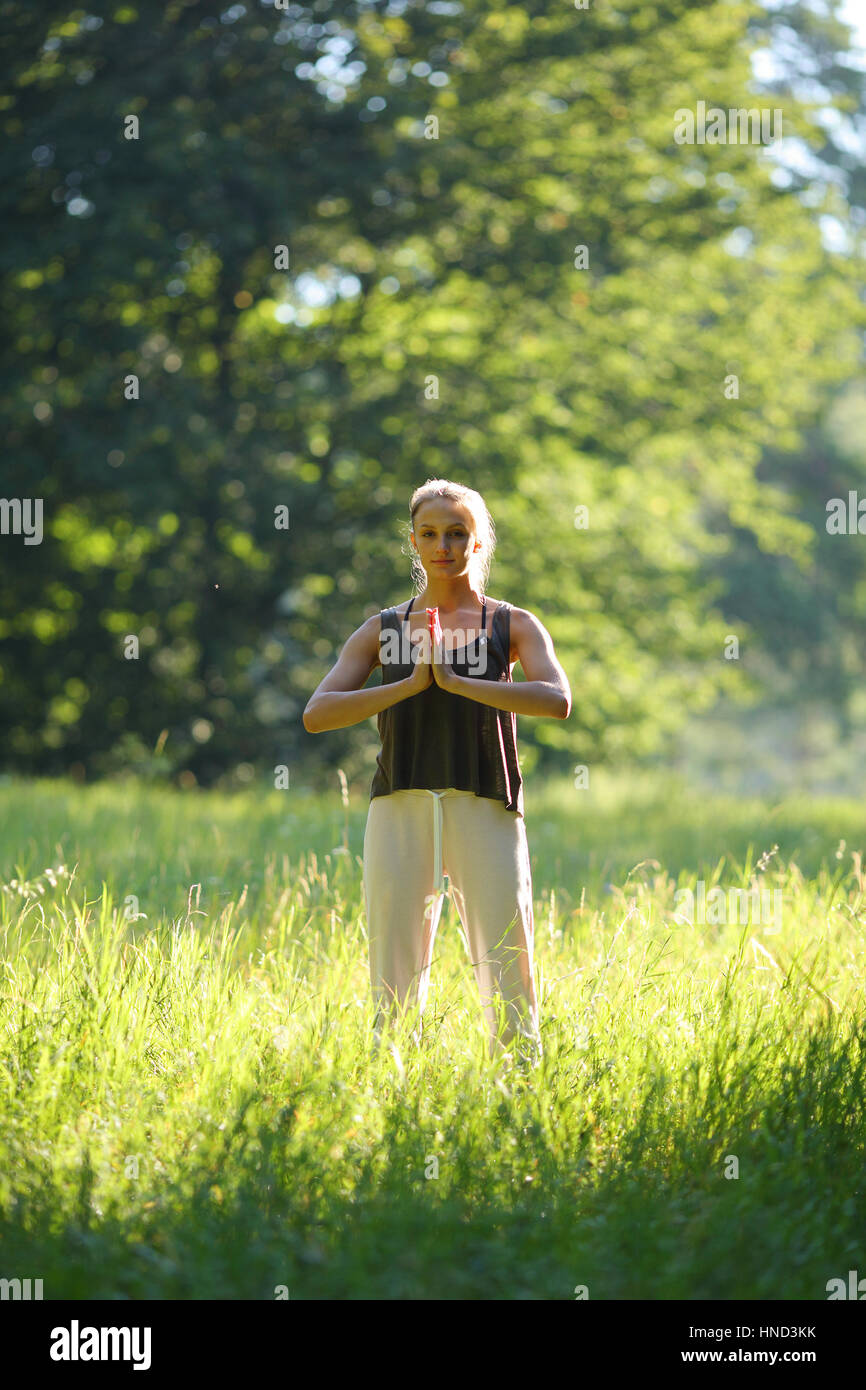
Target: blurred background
x=266 y=269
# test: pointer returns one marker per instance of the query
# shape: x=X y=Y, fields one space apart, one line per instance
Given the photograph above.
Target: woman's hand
x=443 y=672
x=422 y=672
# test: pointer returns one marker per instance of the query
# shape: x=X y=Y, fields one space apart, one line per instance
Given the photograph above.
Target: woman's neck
x=449 y=595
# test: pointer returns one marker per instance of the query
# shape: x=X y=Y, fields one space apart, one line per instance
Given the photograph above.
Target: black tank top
x=437 y=739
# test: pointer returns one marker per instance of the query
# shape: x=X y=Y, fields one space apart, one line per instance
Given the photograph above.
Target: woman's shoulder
x=519 y=621
x=503 y=607
x=389 y=610
x=519 y=616
x=502 y=622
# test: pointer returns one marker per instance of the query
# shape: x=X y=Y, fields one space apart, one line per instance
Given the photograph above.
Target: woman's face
x=444 y=537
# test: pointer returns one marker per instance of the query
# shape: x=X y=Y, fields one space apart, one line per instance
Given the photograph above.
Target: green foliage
x=451 y=258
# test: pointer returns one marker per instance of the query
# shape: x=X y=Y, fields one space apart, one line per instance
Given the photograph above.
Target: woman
x=447 y=796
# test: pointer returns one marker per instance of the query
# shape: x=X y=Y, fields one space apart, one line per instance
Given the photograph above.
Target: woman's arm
x=545 y=691
x=339 y=701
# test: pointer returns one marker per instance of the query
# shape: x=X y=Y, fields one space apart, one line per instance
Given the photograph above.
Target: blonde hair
x=479 y=563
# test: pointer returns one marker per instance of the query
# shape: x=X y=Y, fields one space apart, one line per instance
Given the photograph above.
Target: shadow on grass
x=655 y=1212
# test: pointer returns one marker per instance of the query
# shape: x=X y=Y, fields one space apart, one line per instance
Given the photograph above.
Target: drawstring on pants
x=433 y=901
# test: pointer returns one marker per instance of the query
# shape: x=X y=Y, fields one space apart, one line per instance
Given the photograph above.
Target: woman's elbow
x=564 y=707
x=309 y=720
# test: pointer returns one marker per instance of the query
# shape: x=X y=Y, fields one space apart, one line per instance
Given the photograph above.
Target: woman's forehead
x=442 y=510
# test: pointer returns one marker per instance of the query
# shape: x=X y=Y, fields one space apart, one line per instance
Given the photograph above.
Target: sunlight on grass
x=193 y=1107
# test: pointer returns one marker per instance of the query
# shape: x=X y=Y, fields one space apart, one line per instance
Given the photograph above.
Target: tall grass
x=192 y=1106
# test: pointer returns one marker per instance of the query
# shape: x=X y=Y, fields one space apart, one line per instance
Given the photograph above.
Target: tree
x=437 y=317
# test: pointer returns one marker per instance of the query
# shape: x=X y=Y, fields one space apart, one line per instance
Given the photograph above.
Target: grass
x=191 y=1106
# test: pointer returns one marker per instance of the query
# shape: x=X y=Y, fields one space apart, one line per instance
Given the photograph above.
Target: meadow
x=191 y=1106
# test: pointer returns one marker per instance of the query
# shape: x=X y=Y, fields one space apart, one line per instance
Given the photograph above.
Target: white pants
x=414 y=838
